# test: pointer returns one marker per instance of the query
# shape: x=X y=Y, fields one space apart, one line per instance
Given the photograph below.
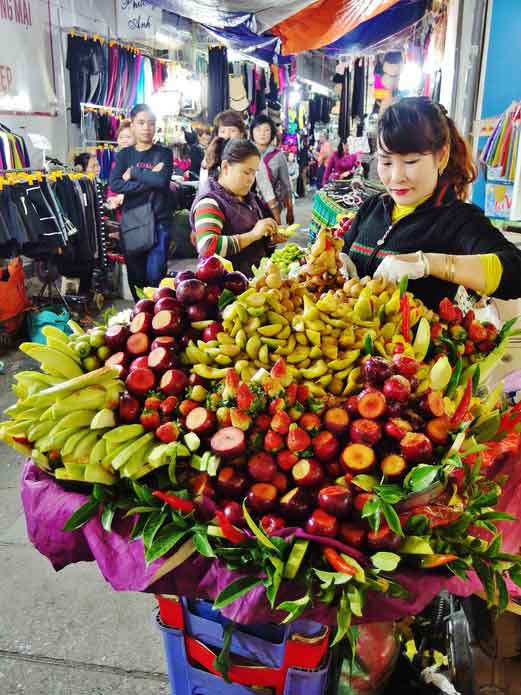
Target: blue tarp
x=390 y=22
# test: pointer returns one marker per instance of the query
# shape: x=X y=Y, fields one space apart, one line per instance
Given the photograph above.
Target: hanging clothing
x=218 y=95
x=345 y=113
x=358 y=100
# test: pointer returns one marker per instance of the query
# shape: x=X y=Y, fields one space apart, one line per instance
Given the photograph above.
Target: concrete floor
x=70 y=633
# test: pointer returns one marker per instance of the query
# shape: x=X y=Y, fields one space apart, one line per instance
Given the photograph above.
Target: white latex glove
x=348 y=268
x=393 y=268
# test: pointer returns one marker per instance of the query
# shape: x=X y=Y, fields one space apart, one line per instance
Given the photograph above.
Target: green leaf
x=144 y=494
x=494 y=546
x=235 y=590
x=107 y=518
x=140 y=510
x=497 y=516
x=505 y=329
x=402 y=287
x=365 y=482
x=515 y=575
x=81 y=516
x=421 y=477
x=202 y=545
x=343 y=618
x=140 y=292
x=226 y=297
x=371 y=511
x=257 y=531
x=168 y=537
x=359 y=570
x=502 y=593
x=417 y=525
x=392 y=518
x=387 y=562
x=390 y=493
x=100 y=493
x=294 y=608
x=486 y=577
x=332 y=578
x=274 y=569
x=139 y=527
x=354 y=596
x=222 y=661
x=152 y=526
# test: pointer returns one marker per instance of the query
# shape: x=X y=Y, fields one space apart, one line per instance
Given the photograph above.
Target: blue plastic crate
x=186 y=679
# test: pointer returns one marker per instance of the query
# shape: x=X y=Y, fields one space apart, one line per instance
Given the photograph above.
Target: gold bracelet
x=452 y=269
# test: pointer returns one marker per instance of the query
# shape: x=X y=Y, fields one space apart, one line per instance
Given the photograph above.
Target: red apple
x=173 y=382
x=321 y=523
x=167 y=323
x=376 y=370
x=295 y=505
x=397 y=388
x=307 y=473
x=234 y=514
x=198 y=311
x=118 y=359
x=416 y=447
x=168 y=304
x=209 y=269
x=231 y=483
x=270 y=523
x=325 y=445
x=336 y=500
x=129 y=408
x=139 y=381
x=165 y=341
x=261 y=467
x=371 y=404
x=364 y=431
x=190 y=291
x=161 y=359
x=188 y=335
x=146 y=305
x=280 y=481
x=139 y=363
x=336 y=420
x=138 y=344
x=201 y=421
x=351 y=406
x=406 y=366
x=184 y=275
x=213 y=292
x=228 y=442
x=397 y=428
x=211 y=331
x=262 y=497
x=116 y=337
x=236 y=282
x=162 y=292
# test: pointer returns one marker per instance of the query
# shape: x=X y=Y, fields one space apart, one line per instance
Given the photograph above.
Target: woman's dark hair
x=417 y=124
x=139 y=108
x=233 y=151
x=342 y=148
x=229 y=119
x=82 y=160
x=261 y=120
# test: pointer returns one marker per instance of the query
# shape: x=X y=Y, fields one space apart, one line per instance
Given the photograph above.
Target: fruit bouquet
x=280 y=447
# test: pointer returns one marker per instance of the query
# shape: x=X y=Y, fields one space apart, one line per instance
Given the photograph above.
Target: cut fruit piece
x=358 y=458
x=336 y=500
x=371 y=404
x=139 y=381
x=325 y=446
x=422 y=340
x=295 y=505
x=336 y=420
x=141 y=323
x=416 y=447
x=161 y=359
x=307 y=473
x=383 y=539
x=201 y=421
x=228 y=442
x=393 y=466
x=441 y=374
x=118 y=359
x=365 y=432
x=262 y=497
x=433 y=404
x=438 y=430
x=352 y=534
x=397 y=428
x=173 y=382
x=294 y=561
x=322 y=524
x=138 y=344
x=231 y=483
x=167 y=322
x=103 y=418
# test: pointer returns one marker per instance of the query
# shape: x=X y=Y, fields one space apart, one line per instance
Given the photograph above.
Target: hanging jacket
x=442 y=224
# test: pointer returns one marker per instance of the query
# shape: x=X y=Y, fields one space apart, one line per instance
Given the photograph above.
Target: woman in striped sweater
x=226 y=217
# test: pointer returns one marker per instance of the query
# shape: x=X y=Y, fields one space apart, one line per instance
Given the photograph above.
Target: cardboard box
x=498 y=200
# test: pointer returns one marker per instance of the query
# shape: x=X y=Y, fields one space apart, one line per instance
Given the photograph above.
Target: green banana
x=62 y=347
x=123 y=433
x=123 y=456
x=98 y=452
x=98 y=474
x=39 y=429
x=53 y=332
x=84 y=447
x=52 y=360
x=90 y=398
x=73 y=441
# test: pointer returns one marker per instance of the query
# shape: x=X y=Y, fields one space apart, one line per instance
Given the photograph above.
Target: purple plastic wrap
x=47 y=507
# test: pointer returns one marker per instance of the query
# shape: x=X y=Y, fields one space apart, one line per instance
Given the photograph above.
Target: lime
x=82 y=348
x=91 y=363
x=103 y=352
x=441 y=374
x=97 y=338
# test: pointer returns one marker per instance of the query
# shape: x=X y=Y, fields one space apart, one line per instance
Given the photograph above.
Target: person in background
x=422 y=227
x=324 y=152
x=88 y=163
x=228 y=125
x=142 y=172
x=227 y=218
x=304 y=158
x=276 y=189
x=341 y=164
x=293 y=171
x=125 y=138
x=197 y=150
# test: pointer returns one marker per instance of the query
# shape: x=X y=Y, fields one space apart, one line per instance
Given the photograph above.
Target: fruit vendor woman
x=422 y=227
x=226 y=217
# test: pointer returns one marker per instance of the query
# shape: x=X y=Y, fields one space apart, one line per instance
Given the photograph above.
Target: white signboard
x=137 y=19
x=26 y=65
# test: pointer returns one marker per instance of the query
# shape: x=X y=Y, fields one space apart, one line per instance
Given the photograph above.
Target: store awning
x=389 y=23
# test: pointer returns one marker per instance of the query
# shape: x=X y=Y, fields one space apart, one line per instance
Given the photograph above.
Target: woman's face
x=93 y=167
x=262 y=135
x=409 y=178
x=204 y=139
x=238 y=178
x=229 y=132
x=126 y=138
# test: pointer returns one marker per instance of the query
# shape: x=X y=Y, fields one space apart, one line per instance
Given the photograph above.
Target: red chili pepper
x=437 y=514
x=337 y=563
x=230 y=532
x=175 y=502
x=463 y=405
x=406 y=316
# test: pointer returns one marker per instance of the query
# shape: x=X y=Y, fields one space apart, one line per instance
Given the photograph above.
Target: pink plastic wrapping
x=47 y=507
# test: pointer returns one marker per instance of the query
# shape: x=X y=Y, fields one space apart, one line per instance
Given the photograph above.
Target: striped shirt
x=209 y=237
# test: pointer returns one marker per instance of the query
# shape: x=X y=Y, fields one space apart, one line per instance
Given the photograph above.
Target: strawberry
x=470 y=348
x=486 y=346
x=255 y=440
x=470 y=316
x=272 y=387
x=447 y=310
x=297 y=439
x=398 y=349
x=291 y=394
x=477 y=332
x=231 y=384
x=244 y=396
x=280 y=373
x=492 y=332
x=223 y=416
x=295 y=412
x=153 y=401
x=310 y=422
x=187 y=406
x=458 y=315
x=281 y=422
x=262 y=422
x=302 y=393
x=276 y=404
x=273 y=442
x=167 y=432
x=150 y=419
x=240 y=419
x=286 y=460
x=169 y=405
x=53 y=455
x=436 y=330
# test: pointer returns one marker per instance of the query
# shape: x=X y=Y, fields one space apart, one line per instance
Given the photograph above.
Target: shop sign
x=137 y=19
x=26 y=80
